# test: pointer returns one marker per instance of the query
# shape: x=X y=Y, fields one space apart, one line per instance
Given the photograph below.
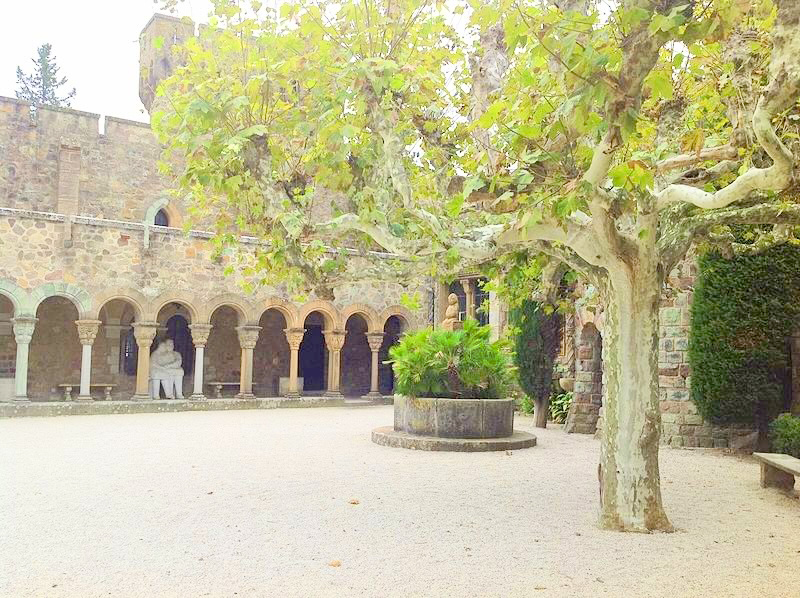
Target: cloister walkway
x=259 y=503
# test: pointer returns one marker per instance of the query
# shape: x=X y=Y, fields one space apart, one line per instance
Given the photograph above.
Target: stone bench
x=107 y=388
x=218 y=386
x=778 y=470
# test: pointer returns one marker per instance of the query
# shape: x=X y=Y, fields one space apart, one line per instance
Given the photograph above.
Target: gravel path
x=257 y=503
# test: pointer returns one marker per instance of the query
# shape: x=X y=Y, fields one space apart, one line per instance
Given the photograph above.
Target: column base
x=198 y=398
x=333 y=394
x=141 y=398
x=84 y=399
x=293 y=394
x=20 y=400
x=373 y=394
x=245 y=395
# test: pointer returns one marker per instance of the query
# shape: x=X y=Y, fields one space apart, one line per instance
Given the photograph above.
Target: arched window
x=128 y=353
x=161 y=218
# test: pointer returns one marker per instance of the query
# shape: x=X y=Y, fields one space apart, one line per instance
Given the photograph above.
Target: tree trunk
x=630 y=491
x=540 y=411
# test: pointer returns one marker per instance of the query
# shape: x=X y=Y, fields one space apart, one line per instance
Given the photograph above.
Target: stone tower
x=157 y=59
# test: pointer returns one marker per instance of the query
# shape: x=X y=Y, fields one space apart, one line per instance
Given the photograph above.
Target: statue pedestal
x=452 y=325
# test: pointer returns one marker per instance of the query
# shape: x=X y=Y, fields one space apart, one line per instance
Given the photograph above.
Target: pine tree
x=40 y=88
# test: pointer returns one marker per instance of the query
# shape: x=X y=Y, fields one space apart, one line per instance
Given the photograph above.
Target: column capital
x=200 y=334
x=466 y=284
x=334 y=339
x=145 y=332
x=248 y=336
x=87 y=330
x=23 y=328
x=294 y=336
x=375 y=340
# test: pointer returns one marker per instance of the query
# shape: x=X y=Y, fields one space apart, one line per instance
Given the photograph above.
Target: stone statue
x=451 y=321
x=166 y=371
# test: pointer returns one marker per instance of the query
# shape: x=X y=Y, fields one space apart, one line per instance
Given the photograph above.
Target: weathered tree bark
x=540 y=411
x=630 y=492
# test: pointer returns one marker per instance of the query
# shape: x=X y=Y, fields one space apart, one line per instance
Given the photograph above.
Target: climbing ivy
x=743 y=312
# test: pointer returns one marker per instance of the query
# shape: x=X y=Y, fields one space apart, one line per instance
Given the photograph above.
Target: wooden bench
x=218 y=386
x=778 y=470
x=106 y=388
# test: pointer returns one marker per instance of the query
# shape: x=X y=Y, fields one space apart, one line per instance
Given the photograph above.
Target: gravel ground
x=259 y=503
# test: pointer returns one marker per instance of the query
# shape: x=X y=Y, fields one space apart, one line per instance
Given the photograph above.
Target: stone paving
x=302 y=503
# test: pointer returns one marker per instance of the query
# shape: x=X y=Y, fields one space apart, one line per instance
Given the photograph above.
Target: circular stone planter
x=436 y=424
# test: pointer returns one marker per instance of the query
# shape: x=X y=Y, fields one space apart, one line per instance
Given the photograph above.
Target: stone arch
x=19 y=297
x=159 y=302
x=80 y=298
x=588 y=393
x=329 y=312
x=289 y=311
x=130 y=296
x=241 y=306
x=368 y=313
x=173 y=214
x=403 y=313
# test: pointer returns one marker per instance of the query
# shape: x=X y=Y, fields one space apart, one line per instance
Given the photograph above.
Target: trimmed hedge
x=744 y=310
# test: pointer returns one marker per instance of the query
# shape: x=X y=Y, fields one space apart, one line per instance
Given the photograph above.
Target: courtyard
x=263 y=503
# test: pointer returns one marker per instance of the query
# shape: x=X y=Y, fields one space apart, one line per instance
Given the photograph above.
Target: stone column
x=87 y=332
x=294 y=336
x=144 y=332
x=23 y=332
x=334 y=341
x=498 y=315
x=469 y=291
x=375 y=340
x=248 y=337
x=200 y=334
x=440 y=303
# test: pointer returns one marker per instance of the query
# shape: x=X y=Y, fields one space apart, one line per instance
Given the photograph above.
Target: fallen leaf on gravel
x=354 y=501
x=335 y=564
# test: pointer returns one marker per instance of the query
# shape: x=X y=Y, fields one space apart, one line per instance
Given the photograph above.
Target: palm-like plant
x=452 y=364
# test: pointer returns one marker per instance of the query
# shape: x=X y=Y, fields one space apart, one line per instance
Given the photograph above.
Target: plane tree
x=609 y=137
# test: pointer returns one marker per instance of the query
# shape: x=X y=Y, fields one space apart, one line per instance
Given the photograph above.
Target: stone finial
x=294 y=336
x=200 y=334
x=248 y=336
x=23 y=329
x=144 y=333
x=375 y=340
x=334 y=339
x=451 y=321
x=87 y=330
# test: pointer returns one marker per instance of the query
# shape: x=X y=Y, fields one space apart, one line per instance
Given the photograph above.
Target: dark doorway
x=312 y=358
x=178 y=331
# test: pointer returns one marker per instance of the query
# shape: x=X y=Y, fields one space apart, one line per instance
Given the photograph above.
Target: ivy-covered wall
x=744 y=313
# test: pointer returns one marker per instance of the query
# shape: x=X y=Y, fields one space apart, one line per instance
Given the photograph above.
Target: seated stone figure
x=166 y=371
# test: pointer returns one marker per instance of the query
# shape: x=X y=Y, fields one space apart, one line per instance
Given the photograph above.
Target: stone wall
x=588 y=389
x=101 y=255
x=59 y=162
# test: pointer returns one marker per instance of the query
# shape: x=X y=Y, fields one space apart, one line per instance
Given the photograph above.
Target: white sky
x=96 y=43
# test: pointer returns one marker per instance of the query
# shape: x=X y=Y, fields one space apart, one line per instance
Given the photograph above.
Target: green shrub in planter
x=784 y=432
x=460 y=364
